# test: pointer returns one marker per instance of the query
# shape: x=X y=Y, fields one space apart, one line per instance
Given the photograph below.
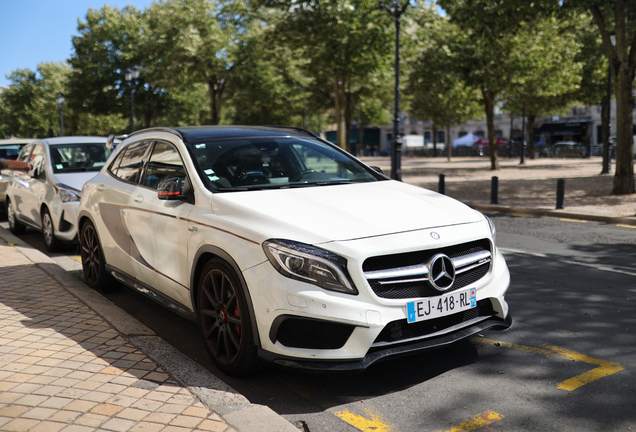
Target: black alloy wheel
x=14 y=226
x=224 y=320
x=93 y=262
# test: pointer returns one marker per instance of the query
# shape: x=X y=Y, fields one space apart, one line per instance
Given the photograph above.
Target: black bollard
x=494 y=190
x=441 y=185
x=560 y=194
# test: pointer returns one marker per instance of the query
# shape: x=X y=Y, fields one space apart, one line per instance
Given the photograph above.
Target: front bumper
x=64 y=216
x=337 y=331
x=378 y=354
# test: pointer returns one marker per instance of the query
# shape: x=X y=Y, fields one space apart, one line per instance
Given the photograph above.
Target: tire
x=14 y=226
x=93 y=262
x=48 y=232
x=224 y=320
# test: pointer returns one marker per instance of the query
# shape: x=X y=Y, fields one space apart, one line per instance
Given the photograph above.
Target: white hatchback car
x=47 y=198
x=285 y=248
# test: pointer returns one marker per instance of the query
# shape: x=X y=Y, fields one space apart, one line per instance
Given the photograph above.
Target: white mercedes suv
x=286 y=249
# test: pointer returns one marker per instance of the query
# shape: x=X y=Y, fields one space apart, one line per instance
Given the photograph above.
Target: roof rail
x=297 y=129
x=113 y=137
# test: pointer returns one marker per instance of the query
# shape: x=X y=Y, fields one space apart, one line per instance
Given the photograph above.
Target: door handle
x=101 y=187
x=138 y=198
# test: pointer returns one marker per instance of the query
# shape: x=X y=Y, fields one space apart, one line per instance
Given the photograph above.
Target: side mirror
x=173 y=189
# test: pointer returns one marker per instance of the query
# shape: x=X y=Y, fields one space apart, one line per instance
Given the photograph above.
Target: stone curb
x=234 y=408
x=631 y=221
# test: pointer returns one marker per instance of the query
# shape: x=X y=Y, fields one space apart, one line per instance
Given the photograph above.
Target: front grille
x=400 y=330
x=313 y=334
x=403 y=276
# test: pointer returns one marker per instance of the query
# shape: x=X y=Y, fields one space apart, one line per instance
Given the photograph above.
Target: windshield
x=261 y=163
x=9 y=152
x=66 y=158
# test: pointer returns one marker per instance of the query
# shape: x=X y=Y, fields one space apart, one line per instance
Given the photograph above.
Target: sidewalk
x=70 y=361
x=529 y=189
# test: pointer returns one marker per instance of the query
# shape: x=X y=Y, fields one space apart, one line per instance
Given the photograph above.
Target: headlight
x=310 y=264
x=493 y=230
x=67 y=194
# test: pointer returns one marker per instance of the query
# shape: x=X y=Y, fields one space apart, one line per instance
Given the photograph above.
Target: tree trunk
x=360 y=135
x=448 y=142
x=434 y=139
x=489 y=105
x=147 y=118
x=605 y=130
x=214 y=115
x=340 y=114
x=624 y=176
x=531 y=147
x=348 y=120
x=623 y=65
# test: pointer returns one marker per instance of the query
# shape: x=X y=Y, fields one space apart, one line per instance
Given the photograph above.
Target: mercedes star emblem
x=441 y=272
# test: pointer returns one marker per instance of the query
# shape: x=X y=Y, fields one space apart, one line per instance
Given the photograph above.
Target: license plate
x=435 y=307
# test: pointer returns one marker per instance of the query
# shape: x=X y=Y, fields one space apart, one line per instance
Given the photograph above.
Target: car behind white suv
x=285 y=248
x=47 y=197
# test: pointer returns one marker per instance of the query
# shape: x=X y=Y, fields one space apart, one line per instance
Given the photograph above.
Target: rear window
x=67 y=158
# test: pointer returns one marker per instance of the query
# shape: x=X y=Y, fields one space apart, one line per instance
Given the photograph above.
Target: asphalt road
x=566 y=365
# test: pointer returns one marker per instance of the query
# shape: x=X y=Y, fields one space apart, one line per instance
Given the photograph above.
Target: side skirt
x=151 y=293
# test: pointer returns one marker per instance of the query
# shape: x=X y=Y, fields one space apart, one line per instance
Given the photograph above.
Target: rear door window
x=165 y=163
x=132 y=162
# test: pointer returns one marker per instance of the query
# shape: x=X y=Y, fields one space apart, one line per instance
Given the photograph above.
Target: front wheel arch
x=202 y=257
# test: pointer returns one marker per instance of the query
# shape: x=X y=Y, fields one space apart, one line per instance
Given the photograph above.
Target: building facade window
x=441 y=136
x=427 y=137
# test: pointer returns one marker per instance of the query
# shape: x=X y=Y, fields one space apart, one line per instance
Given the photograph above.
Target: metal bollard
x=442 y=187
x=560 y=194
x=494 y=190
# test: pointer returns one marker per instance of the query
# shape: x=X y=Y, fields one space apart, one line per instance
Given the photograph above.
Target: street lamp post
x=396 y=144
x=59 y=98
x=606 y=132
x=132 y=74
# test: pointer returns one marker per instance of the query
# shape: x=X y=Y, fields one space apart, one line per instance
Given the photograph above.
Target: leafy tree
x=193 y=42
x=29 y=101
x=270 y=86
x=435 y=90
x=619 y=16
x=549 y=75
x=111 y=41
x=482 y=51
x=344 y=43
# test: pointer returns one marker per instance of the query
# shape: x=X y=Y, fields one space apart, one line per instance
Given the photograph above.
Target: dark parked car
x=568 y=149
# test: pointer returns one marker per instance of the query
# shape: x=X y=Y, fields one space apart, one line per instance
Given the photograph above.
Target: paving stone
x=13 y=411
x=56 y=402
x=147 y=427
x=20 y=425
x=118 y=424
x=47 y=426
x=39 y=413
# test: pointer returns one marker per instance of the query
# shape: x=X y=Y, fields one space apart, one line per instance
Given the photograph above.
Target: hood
x=75 y=180
x=341 y=212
